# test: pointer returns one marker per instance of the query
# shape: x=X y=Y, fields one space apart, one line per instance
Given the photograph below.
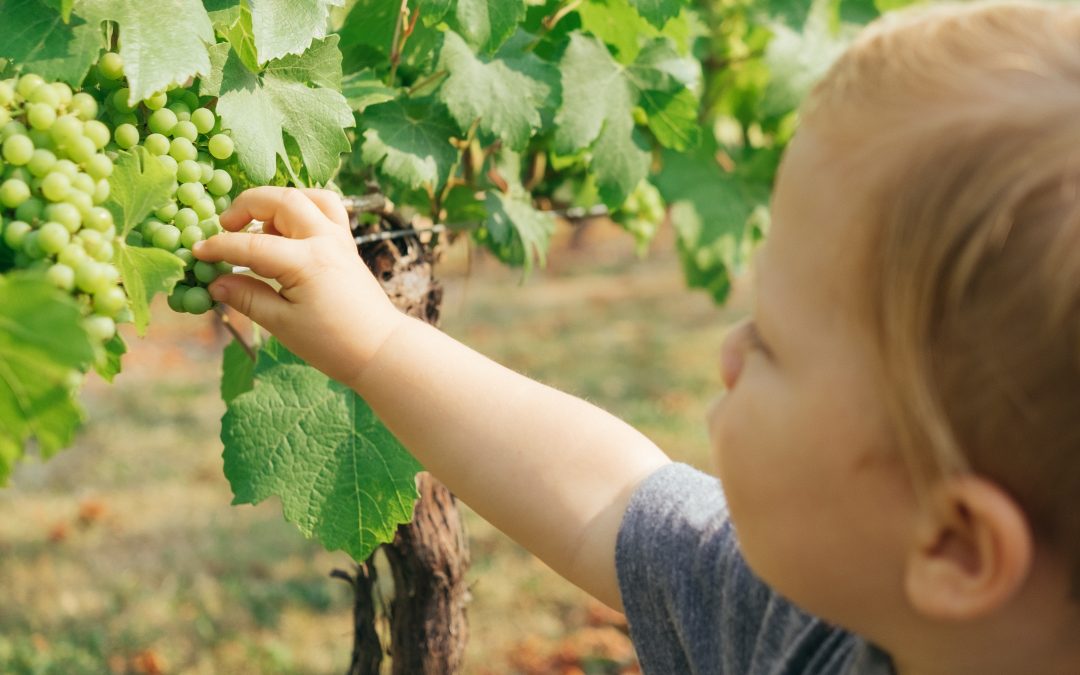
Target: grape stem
x=244 y=344
x=401 y=34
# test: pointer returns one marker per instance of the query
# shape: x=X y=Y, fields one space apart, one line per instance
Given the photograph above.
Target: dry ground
x=123 y=555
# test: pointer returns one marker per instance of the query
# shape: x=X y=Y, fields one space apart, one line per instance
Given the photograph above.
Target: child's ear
x=972 y=551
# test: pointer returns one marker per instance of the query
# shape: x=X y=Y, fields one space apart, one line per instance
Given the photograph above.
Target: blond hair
x=970 y=117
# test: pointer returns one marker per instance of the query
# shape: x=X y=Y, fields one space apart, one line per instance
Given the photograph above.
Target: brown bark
x=428 y=557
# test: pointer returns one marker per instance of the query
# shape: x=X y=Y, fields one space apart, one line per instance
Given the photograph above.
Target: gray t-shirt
x=695 y=607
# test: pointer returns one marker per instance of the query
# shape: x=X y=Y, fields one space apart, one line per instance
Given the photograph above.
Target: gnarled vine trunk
x=428 y=557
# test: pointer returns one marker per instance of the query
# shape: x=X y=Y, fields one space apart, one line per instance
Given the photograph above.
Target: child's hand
x=330 y=310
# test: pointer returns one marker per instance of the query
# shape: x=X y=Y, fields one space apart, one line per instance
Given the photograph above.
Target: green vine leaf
x=514 y=230
x=40 y=39
x=162 y=42
x=341 y=476
x=658 y=12
x=597 y=111
x=409 y=141
x=364 y=88
x=486 y=24
x=237 y=372
x=507 y=92
x=284 y=27
x=43 y=346
x=138 y=185
x=260 y=108
x=146 y=272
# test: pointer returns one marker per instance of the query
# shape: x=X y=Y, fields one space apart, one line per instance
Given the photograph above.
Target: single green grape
x=55 y=186
x=119 y=100
x=179 y=108
x=83 y=106
x=220 y=184
x=72 y=255
x=181 y=149
x=220 y=146
x=169 y=163
x=82 y=202
x=176 y=298
x=167 y=237
x=66 y=167
x=100 y=328
x=162 y=121
x=150 y=227
x=28 y=83
x=186 y=256
x=14 y=192
x=31 y=245
x=15 y=233
x=186 y=129
x=18 y=150
x=156 y=101
x=99 y=166
x=126 y=135
x=205 y=272
x=66 y=214
x=197 y=300
x=98 y=219
x=190 y=193
x=205 y=208
x=30 y=210
x=157 y=144
x=110 y=301
x=101 y=191
x=81 y=150
x=222 y=203
x=188 y=171
x=203 y=119
x=84 y=182
x=185 y=218
x=12 y=128
x=191 y=235
x=41 y=116
x=206 y=172
x=210 y=227
x=7 y=93
x=61 y=276
x=90 y=276
x=111 y=66
x=167 y=212
x=97 y=132
x=41 y=162
x=53 y=237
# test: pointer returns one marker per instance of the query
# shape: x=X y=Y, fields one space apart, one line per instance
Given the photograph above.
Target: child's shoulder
x=693 y=604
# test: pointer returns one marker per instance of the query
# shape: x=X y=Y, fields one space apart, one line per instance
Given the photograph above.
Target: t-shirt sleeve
x=692 y=603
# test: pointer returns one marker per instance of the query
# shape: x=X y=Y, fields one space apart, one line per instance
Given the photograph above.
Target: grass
x=122 y=554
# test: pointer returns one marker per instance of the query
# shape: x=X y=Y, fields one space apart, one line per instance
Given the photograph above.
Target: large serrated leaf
x=145 y=273
x=711 y=212
x=508 y=92
x=658 y=12
x=38 y=38
x=341 y=476
x=486 y=24
x=410 y=141
x=43 y=345
x=138 y=185
x=284 y=27
x=259 y=109
x=514 y=230
x=162 y=42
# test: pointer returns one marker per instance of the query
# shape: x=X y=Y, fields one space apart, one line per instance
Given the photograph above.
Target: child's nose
x=733 y=353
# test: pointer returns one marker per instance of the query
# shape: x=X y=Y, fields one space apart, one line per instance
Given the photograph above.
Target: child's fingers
x=252 y=298
x=266 y=255
x=329 y=203
x=293 y=213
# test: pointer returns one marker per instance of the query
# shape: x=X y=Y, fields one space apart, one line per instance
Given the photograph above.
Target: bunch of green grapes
x=53 y=181
x=642 y=212
x=178 y=128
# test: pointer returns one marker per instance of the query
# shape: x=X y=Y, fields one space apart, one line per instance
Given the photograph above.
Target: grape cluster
x=642 y=212
x=186 y=137
x=53 y=181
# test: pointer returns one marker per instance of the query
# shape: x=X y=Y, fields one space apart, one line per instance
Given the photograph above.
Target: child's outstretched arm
x=552 y=471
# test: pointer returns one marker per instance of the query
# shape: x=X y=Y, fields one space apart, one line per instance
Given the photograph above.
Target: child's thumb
x=251 y=297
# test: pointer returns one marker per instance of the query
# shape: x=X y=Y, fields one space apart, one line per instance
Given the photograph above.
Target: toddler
x=899 y=447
